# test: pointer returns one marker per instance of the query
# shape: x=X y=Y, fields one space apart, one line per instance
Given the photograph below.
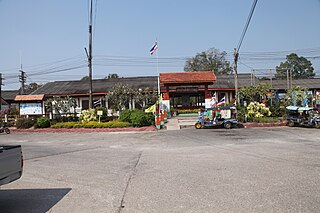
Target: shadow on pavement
x=30 y=200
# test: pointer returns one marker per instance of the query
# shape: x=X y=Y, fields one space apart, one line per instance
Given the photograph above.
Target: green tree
x=253 y=93
x=299 y=96
x=210 y=60
x=33 y=86
x=60 y=105
x=85 y=78
x=146 y=97
x=120 y=96
x=112 y=75
x=300 y=67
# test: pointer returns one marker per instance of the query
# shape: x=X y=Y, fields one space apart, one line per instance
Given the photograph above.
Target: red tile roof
x=187 y=77
x=29 y=98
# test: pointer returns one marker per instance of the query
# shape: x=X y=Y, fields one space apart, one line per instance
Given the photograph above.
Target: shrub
x=150 y=119
x=25 y=123
x=43 y=122
x=266 y=120
x=257 y=110
x=116 y=124
x=108 y=118
x=64 y=125
x=64 y=119
x=92 y=124
x=278 y=109
x=241 y=113
x=88 y=115
x=138 y=119
x=125 y=115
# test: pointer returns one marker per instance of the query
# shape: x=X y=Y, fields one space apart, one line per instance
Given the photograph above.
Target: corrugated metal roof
x=227 y=81
x=282 y=84
x=9 y=95
x=151 y=82
x=105 y=85
x=98 y=85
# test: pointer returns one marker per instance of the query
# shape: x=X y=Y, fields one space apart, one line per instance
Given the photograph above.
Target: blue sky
x=50 y=36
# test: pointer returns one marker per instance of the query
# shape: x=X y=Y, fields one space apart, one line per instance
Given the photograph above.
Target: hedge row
x=92 y=124
x=265 y=120
x=186 y=111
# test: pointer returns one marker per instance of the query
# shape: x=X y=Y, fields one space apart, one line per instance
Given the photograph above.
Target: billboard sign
x=31 y=109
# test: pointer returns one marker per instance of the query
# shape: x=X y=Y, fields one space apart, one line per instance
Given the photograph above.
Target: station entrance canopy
x=186 y=86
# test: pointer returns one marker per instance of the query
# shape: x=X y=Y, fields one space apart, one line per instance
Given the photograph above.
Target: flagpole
x=158 y=69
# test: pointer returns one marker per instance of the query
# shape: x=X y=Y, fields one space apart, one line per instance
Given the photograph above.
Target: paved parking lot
x=207 y=170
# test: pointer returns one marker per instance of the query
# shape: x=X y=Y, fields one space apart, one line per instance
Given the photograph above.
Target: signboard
x=210 y=103
x=100 y=112
x=165 y=105
x=187 y=89
x=31 y=109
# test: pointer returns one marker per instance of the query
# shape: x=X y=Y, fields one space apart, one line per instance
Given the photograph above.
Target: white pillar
x=107 y=103
x=133 y=103
x=227 y=98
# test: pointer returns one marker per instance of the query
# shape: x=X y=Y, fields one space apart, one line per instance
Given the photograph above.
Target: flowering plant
x=257 y=110
x=88 y=115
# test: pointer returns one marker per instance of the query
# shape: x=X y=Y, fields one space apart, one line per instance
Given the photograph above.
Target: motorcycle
x=4 y=129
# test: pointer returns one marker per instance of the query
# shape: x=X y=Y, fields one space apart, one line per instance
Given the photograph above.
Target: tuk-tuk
x=216 y=117
x=303 y=116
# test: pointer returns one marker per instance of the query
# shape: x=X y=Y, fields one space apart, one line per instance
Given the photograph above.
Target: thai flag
x=213 y=100
x=154 y=48
x=222 y=101
x=97 y=102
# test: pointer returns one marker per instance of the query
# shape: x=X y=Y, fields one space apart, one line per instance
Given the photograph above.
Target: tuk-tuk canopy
x=300 y=109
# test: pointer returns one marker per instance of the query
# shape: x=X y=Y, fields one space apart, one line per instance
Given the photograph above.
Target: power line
x=247 y=24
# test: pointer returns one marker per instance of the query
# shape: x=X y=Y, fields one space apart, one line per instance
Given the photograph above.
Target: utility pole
x=22 y=79
x=235 y=62
x=271 y=78
x=0 y=91
x=89 y=56
x=288 y=80
x=291 y=78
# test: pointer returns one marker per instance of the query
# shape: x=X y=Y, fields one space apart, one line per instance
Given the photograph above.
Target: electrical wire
x=247 y=25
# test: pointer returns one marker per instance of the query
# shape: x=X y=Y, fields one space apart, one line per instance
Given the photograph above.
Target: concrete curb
x=250 y=125
x=86 y=130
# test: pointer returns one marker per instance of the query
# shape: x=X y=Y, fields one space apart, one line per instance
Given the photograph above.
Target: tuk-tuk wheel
x=7 y=130
x=197 y=126
x=291 y=124
x=227 y=125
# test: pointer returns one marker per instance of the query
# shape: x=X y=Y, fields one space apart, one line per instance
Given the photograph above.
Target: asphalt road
x=208 y=170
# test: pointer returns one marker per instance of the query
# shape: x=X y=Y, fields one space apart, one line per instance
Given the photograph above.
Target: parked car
x=11 y=163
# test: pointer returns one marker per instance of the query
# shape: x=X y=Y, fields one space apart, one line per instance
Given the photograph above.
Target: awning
x=29 y=97
x=185 y=78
